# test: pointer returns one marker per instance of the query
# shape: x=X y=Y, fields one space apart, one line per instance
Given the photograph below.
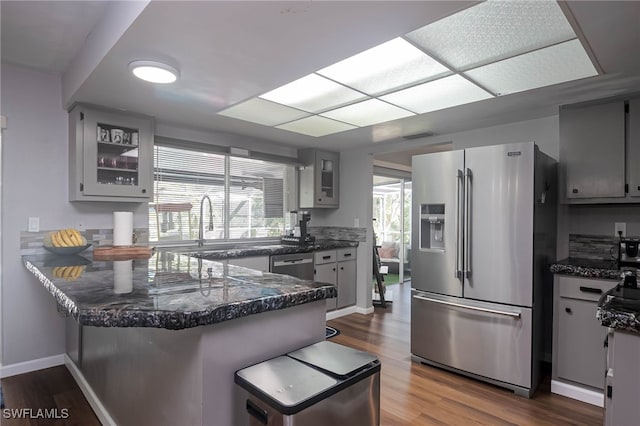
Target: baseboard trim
x=29 y=366
x=365 y=311
x=576 y=392
x=101 y=412
x=341 y=312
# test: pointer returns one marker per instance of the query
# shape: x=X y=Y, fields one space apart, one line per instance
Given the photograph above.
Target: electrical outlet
x=620 y=227
x=356 y=222
x=34 y=224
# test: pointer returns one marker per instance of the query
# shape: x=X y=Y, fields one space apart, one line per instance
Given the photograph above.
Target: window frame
x=290 y=187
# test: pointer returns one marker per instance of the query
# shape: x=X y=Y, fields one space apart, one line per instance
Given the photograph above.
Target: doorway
x=392 y=225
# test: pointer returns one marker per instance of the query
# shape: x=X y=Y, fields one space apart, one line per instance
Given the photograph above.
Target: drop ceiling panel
x=493 y=30
x=438 y=94
x=316 y=126
x=263 y=112
x=385 y=67
x=368 y=112
x=313 y=93
x=552 y=65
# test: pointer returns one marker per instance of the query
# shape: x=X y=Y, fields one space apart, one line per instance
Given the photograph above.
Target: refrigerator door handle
x=468 y=182
x=471 y=308
x=458 y=272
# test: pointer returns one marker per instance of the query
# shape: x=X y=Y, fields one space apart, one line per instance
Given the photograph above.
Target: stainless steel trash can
x=318 y=385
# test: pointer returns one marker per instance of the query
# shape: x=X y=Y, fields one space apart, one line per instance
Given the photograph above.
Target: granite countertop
x=619 y=308
x=588 y=268
x=169 y=290
x=268 y=250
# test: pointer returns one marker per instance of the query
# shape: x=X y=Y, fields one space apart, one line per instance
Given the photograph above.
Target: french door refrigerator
x=483 y=239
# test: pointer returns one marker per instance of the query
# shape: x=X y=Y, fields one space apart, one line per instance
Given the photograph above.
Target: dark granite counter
x=268 y=250
x=588 y=268
x=619 y=308
x=170 y=290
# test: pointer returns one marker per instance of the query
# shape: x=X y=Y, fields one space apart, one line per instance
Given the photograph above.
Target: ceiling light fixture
x=154 y=71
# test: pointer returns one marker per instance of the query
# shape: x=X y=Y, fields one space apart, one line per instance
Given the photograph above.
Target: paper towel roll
x=122 y=228
x=122 y=276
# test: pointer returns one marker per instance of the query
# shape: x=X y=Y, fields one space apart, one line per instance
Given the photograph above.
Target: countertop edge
x=122 y=318
x=61 y=299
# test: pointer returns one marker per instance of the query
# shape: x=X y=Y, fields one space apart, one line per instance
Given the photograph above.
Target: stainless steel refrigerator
x=483 y=238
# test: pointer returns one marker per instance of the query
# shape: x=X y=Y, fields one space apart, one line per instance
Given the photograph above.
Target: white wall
x=35 y=176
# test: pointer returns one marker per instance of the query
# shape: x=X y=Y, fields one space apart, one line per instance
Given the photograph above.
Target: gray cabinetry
x=592 y=150
x=110 y=155
x=623 y=387
x=578 y=338
x=633 y=153
x=319 y=179
x=259 y=263
x=337 y=267
x=346 y=277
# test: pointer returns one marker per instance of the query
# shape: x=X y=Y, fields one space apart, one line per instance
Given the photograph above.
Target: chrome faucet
x=201 y=224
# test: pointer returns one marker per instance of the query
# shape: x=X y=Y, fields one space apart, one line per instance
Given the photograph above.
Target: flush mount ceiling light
x=154 y=71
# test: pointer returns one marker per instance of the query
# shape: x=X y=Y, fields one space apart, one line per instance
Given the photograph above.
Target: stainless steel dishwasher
x=298 y=265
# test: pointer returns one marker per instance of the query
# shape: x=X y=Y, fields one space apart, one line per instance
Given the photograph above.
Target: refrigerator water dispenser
x=432 y=226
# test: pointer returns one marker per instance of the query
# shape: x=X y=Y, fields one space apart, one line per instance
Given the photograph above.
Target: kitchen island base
x=154 y=376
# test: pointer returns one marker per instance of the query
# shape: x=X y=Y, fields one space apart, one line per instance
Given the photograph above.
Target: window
x=247 y=195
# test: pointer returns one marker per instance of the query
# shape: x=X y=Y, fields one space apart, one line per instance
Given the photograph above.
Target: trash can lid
x=284 y=383
x=334 y=359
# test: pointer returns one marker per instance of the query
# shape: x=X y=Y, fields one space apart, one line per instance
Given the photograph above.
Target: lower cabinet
x=579 y=355
x=622 y=392
x=259 y=263
x=337 y=267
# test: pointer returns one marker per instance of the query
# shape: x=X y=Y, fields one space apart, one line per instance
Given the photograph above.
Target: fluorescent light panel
x=368 y=112
x=316 y=126
x=438 y=94
x=313 y=93
x=494 y=30
x=263 y=112
x=391 y=65
x=552 y=65
x=505 y=46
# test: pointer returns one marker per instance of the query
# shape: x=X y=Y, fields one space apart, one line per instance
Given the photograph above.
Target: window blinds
x=246 y=194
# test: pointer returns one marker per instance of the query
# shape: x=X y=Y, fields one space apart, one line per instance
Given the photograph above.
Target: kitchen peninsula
x=156 y=341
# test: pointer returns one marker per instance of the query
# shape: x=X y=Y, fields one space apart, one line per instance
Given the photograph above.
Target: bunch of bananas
x=69 y=273
x=67 y=238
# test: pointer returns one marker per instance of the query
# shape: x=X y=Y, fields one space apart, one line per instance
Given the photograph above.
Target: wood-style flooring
x=412 y=394
x=416 y=394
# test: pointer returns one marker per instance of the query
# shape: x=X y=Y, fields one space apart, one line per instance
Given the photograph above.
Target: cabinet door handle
x=349 y=254
x=574 y=190
x=334 y=269
x=568 y=310
x=326 y=257
x=591 y=290
x=342 y=268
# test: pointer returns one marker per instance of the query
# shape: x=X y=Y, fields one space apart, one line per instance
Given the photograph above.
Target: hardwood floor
x=49 y=389
x=412 y=394
x=416 y=394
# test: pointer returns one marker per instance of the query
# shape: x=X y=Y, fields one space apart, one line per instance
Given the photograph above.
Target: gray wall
x=35 y=176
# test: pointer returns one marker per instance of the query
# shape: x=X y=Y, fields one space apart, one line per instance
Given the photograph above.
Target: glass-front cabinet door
x=113 y=156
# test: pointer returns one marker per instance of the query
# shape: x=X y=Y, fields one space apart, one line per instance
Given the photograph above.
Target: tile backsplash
x=338 y=233
x=593 y=246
